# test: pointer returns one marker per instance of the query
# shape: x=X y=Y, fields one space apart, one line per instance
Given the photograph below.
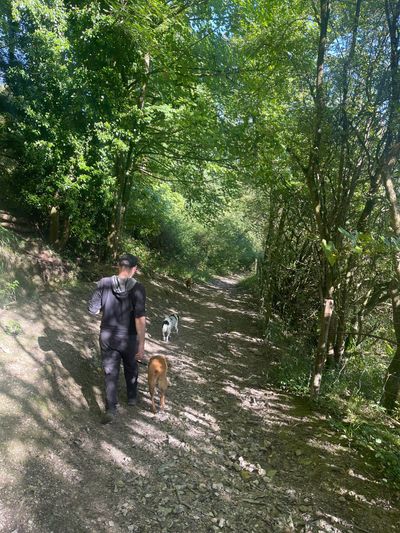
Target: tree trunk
x=143 y=90
x=117 y=218
x=389 y=162
x=320 y=356
x=65 y=232
x=315 y=188
x=54 y=225
x=342 y=312
x=313 y=168
x=347 y=183
x=263 y=264
x=269 y=262
x=391 y=394
x=333 y=328
x=124 y=177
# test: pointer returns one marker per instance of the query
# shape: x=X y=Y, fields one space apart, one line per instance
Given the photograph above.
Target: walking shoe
x=108 y=417
x=132 y=401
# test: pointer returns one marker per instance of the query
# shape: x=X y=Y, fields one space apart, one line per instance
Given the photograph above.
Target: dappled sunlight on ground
x=227 y=450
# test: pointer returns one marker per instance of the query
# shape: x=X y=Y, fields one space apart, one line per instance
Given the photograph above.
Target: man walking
x=122 y=300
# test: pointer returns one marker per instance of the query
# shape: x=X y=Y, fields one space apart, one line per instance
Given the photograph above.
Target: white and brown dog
x=169 y=324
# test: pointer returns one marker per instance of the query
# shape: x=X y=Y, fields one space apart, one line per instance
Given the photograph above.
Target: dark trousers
x=114 y=348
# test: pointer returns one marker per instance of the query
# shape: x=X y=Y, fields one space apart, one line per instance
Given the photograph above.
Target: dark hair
x=128 y=261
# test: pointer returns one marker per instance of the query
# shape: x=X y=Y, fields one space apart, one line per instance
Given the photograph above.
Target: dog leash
x=144 y=363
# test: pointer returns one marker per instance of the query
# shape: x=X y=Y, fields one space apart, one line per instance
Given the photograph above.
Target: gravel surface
x=228 y=453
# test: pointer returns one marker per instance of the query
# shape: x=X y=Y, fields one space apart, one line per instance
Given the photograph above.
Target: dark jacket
x=120 y=300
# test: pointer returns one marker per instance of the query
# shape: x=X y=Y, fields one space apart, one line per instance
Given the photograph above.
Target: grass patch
x=8 y=238
x=13 y=328
x=367 y=428
x=350 y=395
x=8 y=288
x=290 y=358
x=8 y=291
x=249 y=283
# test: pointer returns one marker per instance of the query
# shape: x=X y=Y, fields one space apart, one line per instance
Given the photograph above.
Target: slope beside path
x=228 y=454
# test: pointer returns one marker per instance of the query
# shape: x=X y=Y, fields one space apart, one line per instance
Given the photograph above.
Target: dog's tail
x=158 y=364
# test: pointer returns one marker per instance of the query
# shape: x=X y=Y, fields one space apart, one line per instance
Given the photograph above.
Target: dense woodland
x=224 y=136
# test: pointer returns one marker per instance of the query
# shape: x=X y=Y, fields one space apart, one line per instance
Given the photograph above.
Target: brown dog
x=157 y=377
x=189 y=283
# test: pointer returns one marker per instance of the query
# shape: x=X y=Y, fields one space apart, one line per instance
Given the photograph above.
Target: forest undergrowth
x=350 y=395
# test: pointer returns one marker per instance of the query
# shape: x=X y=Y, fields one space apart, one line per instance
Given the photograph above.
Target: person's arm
x=140 y=318
x=141 y=334
x=95 y=302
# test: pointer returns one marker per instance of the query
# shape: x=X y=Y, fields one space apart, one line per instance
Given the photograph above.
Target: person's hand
x=140 y=354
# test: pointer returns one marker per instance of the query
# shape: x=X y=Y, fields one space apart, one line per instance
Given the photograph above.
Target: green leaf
x=330 y=251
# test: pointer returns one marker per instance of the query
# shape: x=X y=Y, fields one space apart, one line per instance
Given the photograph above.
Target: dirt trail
x=228 y=454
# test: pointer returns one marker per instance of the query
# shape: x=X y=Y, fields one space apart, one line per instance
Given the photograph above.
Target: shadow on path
x=228 y=454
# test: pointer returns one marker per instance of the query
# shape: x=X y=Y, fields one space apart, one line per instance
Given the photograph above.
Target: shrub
x=13 y=328
x=8 y=292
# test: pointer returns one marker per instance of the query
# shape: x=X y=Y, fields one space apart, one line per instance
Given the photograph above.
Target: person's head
x=127 y=264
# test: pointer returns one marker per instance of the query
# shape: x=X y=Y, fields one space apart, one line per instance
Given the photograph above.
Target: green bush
x=7 y=238
x=149 y=260
x=8 y=291
x=8 y=288
x=361 y=376
x=13 y=328
x=350 y=395
x=291 y=372
x=249 y=283
x=370 y=430
x=181 y=244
